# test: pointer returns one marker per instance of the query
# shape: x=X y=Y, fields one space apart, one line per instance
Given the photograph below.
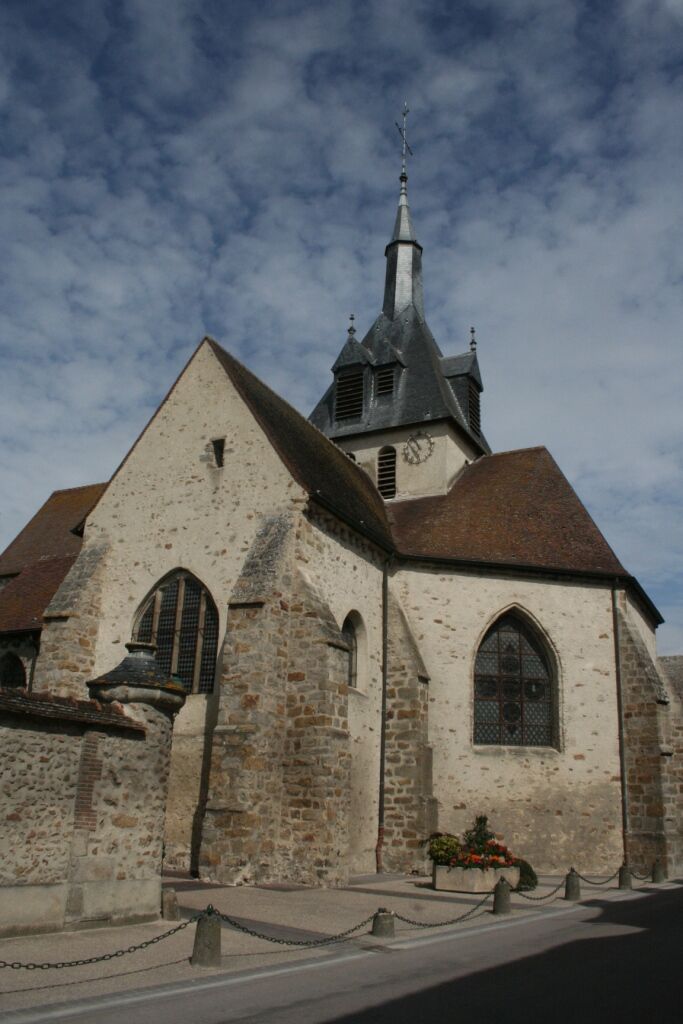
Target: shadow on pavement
x=633 y=977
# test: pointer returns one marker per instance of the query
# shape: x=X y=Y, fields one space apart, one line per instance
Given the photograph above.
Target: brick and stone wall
x=653 y=742
x=410 y=812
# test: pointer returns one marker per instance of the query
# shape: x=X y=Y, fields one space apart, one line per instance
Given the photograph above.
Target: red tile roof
x=41 y=555
x=48 y=534
x=515 y=509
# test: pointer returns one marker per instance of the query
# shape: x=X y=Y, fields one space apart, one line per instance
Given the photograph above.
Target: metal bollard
x=572 y=886
x=501 y=897
x=625 y=877
x=169 y=905
x=207 y=940
x=658 y=872
x=383 y=924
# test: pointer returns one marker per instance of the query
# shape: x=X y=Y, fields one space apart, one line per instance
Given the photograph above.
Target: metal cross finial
x=405 y=148
x=352 y=329
x=473 y=340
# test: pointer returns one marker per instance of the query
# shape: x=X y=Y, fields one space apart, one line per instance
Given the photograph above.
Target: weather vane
x=405 y=148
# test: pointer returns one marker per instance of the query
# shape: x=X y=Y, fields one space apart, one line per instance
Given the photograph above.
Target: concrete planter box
x=471 y=879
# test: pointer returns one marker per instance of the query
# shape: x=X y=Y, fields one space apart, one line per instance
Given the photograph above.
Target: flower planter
x=471 y=879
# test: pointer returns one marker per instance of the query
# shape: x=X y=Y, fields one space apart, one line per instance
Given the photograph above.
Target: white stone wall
x=348 y=575
x=433 y=476
x=554 y=807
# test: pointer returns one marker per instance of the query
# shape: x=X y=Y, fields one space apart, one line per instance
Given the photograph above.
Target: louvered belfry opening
x=348 y=396
x=181 y=619
x=475 y=408
x=514 y=691
x=384 y=381
x=386 y=472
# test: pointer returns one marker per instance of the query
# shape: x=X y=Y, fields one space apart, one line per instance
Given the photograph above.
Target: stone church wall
x=653 y=733
x=554 y=807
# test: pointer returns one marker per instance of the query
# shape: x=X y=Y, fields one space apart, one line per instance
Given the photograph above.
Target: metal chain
x=604 y=881
x=105 y=956
x=291 y=942
x=452 y=920
x=537 y=899
x=641 y=878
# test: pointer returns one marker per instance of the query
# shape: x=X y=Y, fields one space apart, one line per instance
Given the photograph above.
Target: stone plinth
x=471 y=879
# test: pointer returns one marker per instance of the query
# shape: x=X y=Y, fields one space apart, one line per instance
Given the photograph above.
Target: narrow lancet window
x=351 y=640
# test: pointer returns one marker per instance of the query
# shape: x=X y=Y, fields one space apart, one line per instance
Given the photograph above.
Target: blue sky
x=181 y=167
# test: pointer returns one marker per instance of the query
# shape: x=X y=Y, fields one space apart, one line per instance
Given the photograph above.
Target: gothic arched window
x=386 y=472
x=12 y=672
x=179 y=616
x=351 y=640
x=514 y=689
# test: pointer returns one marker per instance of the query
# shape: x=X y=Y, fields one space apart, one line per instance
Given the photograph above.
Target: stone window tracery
x=180 y=617
x=515 y=695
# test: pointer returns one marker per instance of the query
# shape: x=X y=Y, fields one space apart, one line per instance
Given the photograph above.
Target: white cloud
x=178 y=167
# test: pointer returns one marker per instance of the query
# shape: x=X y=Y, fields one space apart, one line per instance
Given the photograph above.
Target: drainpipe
x=620 y=713
x=383 y=719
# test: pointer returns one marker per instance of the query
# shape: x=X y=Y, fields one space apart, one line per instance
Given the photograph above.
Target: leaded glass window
x=181 y=619
x=514 y=693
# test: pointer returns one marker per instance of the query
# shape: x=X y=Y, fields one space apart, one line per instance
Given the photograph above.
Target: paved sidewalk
x=286 y=914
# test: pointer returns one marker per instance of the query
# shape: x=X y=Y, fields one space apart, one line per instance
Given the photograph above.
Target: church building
x=382 y=627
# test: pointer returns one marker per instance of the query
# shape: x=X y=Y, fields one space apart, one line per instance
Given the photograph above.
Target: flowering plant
x=478 y=848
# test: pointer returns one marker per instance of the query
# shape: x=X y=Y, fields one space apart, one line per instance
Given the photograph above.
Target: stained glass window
x=514 y=695
x=181 y=619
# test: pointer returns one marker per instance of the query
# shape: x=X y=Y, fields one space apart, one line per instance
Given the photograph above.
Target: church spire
x=403 y=283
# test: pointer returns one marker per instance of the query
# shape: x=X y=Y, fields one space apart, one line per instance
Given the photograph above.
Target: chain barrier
x=604 y=881
x=452 y=920
x=538 y=899
x=641 y=878
x=15 y=965
x=307 y=943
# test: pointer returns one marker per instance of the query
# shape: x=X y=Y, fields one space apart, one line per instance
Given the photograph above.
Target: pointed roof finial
x=473 y=340
x=405 y=148
x=352 y=329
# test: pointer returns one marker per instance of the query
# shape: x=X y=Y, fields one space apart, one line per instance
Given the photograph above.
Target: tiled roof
x=48 y=534
x=517 y=509
x=24 y=599
x=69 y=709
x=321 y=468
x=41 y=555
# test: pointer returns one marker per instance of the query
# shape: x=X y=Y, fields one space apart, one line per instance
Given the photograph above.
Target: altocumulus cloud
x=188 y=166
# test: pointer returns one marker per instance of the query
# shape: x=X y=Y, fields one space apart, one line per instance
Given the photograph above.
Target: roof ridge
x=79 y=487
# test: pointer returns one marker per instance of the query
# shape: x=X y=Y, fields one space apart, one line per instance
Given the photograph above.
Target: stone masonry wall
x=653 y=739
x=71 y=626
x=410 y=812
x=279 y=762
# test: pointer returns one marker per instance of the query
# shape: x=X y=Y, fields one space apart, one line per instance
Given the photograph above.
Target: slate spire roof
x=428 y=386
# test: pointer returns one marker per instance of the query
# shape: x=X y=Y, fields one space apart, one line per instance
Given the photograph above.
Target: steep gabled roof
x=49 y=534
x=322 y=469
x=514 y=509
x=41 y=555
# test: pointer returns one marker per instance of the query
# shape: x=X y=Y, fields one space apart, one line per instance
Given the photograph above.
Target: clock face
x=418 y=448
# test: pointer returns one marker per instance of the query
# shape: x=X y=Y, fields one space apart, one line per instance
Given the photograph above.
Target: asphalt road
x=609 y=960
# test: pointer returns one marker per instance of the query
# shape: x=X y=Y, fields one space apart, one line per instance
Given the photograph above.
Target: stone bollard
x=207 y=940
x=625 y=877
x=383 y=924
x=658 y=872
x=572 y=886
x=169 y=905
x=501 y=897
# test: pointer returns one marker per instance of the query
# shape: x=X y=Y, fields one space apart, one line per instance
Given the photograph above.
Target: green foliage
x=527 y=875
x=443 y=847
x=477 y=838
